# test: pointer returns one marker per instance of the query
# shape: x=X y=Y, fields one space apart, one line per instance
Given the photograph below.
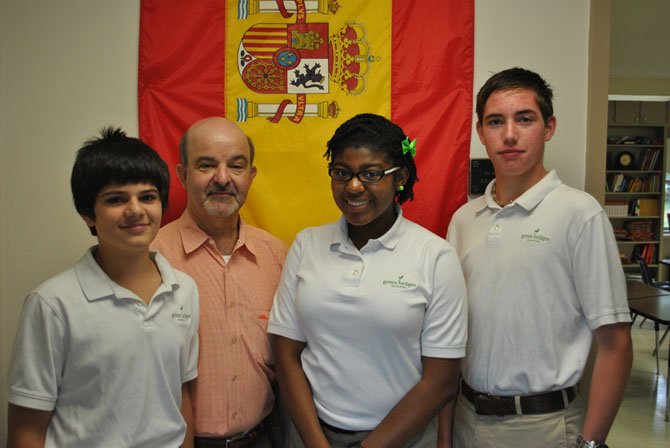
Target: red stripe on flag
x=431 y=98
x=181 y=74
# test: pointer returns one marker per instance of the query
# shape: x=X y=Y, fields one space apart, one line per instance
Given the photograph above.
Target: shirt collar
x=192 y=236
x=529 y=199
x=389 y=240
x=97 y=285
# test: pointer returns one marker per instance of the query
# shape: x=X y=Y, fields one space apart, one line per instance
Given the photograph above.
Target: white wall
x=550 y=38
x=69 y=67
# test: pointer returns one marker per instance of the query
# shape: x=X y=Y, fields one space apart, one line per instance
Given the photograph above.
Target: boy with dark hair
x=543 y=279
x=104 y=350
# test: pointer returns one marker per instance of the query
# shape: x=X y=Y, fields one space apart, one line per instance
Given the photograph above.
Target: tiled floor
x=639 y=423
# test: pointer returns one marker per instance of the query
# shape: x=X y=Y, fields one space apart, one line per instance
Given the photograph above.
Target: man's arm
x=296 y=392
x=446 y=422
x=614 y=358
x=438 y=386
x=27 y=428
x=187 y=413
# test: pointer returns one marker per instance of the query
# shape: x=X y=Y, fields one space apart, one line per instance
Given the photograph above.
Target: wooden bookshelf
x=635 y=180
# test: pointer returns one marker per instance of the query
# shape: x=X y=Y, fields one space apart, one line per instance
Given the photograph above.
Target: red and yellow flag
x=291 y=71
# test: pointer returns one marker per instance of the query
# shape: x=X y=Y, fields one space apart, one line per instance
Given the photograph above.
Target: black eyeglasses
x=365 y=176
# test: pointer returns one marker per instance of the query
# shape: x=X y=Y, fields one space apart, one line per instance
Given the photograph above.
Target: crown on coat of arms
x=351 y=58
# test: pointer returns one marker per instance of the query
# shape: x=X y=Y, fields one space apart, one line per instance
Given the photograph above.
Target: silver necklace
x=496 y=200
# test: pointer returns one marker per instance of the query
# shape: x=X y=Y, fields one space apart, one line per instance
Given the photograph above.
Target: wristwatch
x=583 y=443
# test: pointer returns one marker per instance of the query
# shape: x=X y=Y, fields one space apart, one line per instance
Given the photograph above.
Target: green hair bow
x=409 y=147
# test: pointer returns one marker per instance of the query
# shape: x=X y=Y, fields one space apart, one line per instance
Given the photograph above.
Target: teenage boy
x=104 y=349
x=543 y=278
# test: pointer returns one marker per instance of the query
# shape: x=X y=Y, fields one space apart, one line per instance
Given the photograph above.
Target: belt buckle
x=487 y=404
x=230 y=441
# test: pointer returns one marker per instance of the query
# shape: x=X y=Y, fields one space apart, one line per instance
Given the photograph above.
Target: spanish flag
x=291 y=71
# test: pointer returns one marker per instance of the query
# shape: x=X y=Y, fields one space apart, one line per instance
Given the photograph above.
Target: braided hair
x=378 y=134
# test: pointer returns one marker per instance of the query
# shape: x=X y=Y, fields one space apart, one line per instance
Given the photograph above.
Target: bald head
x=213 y=129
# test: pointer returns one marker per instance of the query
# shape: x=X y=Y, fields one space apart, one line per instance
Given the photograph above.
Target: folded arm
x=438 y=386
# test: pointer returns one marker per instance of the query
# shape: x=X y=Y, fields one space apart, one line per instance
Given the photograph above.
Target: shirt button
x=354 y=273
x=496 y=227
x=234 y=377
x=234 y=340
x=211 y=242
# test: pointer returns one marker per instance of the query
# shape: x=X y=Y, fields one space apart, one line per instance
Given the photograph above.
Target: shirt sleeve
x=283 y=319
x=452 y=232
x=444 y=333
x=38 y=356
x=598 y=275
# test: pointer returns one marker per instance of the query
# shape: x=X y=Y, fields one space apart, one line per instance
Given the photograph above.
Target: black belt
x=245 y=440
x=487 y=404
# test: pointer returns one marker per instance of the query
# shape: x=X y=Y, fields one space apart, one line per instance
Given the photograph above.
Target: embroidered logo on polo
x=536 y=237
x=181 y=316
x=400 y=283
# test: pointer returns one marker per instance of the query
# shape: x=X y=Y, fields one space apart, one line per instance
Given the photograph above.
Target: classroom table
x=638 y=290
x=657 y=309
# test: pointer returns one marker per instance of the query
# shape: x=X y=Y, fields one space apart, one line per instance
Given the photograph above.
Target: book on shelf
x=622 y=183
x=649 y=159
x=632 y=207
x=647 y=251
x=647 y=207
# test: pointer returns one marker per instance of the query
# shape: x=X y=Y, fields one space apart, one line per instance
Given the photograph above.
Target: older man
x=236 y=267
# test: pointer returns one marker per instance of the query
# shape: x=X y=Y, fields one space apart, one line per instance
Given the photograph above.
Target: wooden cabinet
x=638 y=112
x=635 y=181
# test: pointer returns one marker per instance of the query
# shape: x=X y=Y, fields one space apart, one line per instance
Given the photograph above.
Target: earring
x=401 y=187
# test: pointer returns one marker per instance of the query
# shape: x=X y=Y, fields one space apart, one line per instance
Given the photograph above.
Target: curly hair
x=378 y=134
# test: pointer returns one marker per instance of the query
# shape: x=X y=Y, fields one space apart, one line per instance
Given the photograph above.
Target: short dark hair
x=378 y=134
x=517 y=78
x=115 y=159
x=183 y=149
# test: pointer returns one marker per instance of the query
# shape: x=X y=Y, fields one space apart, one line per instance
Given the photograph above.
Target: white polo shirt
x=541 y=274
x=369 y=316
x=109 y=366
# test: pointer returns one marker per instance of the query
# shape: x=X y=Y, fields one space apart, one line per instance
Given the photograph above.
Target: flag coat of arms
x=291 y=71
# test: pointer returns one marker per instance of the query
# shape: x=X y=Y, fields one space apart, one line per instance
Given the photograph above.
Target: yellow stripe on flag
x=351 y=50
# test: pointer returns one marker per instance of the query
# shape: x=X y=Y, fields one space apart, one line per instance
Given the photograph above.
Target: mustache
x=218 y=188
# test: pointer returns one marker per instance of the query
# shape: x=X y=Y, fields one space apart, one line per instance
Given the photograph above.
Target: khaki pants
x=555 y=430
x=426 y=439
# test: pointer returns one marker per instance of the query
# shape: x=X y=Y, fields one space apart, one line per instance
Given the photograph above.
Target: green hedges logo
x=534 y=238
x=181 y=316
x=400 y=283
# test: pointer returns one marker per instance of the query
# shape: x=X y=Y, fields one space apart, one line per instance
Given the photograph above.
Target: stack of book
x=621 y=234
x=617 y=208
x=640 y=230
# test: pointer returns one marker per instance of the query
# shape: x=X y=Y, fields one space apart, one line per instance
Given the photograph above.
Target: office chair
x=648 y=278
